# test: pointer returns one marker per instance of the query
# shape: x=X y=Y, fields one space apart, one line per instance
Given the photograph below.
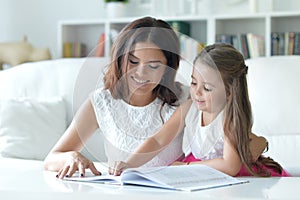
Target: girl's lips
x=200 y=102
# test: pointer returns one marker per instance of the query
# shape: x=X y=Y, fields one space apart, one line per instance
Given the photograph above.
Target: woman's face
x=146 y=67
x=207 y=89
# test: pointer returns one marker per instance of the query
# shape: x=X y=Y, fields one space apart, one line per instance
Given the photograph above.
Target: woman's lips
x=139 y=81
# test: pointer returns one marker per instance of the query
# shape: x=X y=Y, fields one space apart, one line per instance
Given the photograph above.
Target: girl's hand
x=76 y=162
x=118 y=168
x=179 y=163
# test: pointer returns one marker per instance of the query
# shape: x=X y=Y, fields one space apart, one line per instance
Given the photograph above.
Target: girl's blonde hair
x=237 y=113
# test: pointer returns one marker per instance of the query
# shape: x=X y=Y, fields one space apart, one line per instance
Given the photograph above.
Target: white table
x=23 y=179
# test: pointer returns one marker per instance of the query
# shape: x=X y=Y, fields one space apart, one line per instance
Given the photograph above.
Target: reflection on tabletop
x=269 y=188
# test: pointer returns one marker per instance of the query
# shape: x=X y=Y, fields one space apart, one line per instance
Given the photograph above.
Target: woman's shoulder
x=185 y=107
x=99 y=95
x=191 y=110
x=101 y=92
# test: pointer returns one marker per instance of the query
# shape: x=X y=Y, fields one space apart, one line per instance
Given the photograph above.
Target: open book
x=180 y=177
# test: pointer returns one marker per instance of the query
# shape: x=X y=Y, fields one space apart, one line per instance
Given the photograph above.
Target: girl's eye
x=133 y=62
x=207 y=88
x=193 y=83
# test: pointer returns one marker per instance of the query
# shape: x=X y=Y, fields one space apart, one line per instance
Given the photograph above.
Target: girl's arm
x=64 y=156
x=154 y=144
x=230 y=163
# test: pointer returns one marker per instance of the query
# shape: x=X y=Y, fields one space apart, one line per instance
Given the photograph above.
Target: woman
x=139 y=95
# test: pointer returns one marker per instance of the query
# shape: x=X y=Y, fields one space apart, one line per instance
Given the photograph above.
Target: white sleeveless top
x=205 y=142
x=125 y=127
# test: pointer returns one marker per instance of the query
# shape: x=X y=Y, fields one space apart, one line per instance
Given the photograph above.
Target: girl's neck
x=208 y=118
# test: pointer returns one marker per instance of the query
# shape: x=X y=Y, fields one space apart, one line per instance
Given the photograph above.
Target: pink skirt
x=243 y=171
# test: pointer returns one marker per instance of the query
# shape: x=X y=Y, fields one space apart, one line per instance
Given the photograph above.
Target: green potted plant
x=116 y=8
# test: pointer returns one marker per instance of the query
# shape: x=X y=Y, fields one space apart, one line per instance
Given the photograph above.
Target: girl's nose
x=198 y=91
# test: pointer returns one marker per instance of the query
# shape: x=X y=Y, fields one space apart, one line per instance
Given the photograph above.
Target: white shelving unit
x=203 y=28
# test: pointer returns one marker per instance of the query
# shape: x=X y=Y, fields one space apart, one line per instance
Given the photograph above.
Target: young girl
x=217 y=121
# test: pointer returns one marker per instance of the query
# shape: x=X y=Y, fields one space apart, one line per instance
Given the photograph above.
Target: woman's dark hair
x=152 y=30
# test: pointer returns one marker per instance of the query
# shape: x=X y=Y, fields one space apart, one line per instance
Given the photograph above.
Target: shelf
x=202 y=28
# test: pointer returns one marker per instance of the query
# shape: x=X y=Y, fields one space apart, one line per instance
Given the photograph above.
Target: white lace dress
x=205 y=142
x=125 y=127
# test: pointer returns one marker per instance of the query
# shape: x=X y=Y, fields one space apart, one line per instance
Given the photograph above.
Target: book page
x=182 y=177
x=89 y=177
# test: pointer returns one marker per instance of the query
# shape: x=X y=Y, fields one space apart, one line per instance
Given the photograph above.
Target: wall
x=37 y=19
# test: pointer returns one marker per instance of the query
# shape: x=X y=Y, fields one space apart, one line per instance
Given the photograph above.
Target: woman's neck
x=140 y=100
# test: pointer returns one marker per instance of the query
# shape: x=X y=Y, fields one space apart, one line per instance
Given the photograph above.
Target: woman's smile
x=139 y=81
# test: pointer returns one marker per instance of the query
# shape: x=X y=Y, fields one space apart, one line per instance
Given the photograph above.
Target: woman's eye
x=133 y=62
x=154 y=66
x=193 y=83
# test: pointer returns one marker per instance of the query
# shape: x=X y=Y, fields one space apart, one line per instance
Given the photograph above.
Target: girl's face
x=146 y=67
x=207 y=89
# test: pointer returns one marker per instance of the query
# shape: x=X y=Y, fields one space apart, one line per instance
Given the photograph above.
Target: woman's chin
x=142 y=89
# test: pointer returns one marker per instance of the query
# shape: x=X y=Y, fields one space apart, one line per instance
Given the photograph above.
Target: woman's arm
x=64 y=156
x=154 y=144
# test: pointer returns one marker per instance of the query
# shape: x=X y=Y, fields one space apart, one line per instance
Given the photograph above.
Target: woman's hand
x=76 y=162
x=118 y=168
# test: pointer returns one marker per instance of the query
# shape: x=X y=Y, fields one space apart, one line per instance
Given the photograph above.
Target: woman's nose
x=140 y=70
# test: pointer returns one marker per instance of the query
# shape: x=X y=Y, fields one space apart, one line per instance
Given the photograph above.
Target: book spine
x=100 y=49
x=224 y=38
x=67 y=50
x=245 y=46
x=74 y=50
x=274 y=44
x=281 y=43
x=296 y=44
x=250 y=42
x=180 y=27
x=291 y=43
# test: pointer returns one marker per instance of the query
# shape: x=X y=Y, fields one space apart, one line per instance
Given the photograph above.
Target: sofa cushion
x=274 y=93
x=29 y=128
x=71 y=78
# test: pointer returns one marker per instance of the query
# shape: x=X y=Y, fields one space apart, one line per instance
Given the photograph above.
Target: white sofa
x=54 y=89
x=37 y=102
